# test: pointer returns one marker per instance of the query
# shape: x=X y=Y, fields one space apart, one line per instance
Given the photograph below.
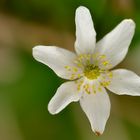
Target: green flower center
x=91 y=71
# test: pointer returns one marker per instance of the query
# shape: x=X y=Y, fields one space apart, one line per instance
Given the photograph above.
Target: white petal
x=85 y=33
x=65 y=94
x=97 y=108
x=56 y=58
x=125 y=82
x=115 y=44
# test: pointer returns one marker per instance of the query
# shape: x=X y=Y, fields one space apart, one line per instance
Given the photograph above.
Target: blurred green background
x=26 y=86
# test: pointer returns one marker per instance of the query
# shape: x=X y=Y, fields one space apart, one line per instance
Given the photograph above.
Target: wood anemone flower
x=89 y=69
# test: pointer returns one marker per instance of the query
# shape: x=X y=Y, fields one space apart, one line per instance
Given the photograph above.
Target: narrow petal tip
x=81 y=8
x=98 y=133
x=36 y=50
x=51 y=111
x=38 y=47
x=129 y=21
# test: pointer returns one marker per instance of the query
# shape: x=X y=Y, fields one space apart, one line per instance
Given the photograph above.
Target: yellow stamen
x=75 y=69
x=92 y=72
x=72 y=77
x=105 y=63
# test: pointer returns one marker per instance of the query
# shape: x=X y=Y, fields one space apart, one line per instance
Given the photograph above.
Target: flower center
x=91 y=71
x=91 y=66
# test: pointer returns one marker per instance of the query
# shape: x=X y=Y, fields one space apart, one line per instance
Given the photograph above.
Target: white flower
x=89 y=69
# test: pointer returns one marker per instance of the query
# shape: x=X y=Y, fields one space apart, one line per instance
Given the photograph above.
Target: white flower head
x=89 y=69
